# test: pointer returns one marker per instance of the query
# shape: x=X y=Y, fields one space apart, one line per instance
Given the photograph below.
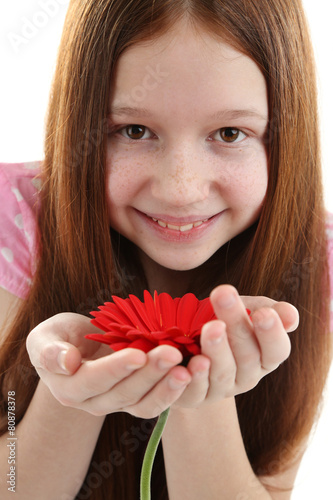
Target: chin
x=182 y=265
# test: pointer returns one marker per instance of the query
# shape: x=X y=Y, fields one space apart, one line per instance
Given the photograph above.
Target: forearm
x=53 y=450
x=205 y=456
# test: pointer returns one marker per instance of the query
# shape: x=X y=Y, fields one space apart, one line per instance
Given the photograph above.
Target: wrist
x=46 y=400
x=196 y=416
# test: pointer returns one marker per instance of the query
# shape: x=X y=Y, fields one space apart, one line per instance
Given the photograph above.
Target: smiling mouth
x=181 y=228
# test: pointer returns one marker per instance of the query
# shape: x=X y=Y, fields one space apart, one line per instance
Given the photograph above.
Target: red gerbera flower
x=145 y=325
x=156 y=321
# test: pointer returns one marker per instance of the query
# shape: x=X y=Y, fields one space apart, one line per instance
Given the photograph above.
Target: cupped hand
x=83 y=374
x=237 y=352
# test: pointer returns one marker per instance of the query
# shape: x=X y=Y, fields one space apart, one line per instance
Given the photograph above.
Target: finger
x=129 y=395
x=197 y=389
x=97 y=376
x=159 y=362
x=112 y=373
x=223 y=369
x=58 y=344
x=60 y=357
x=289 y=315
x=229 y=308
x=257 y=301
x=164 y=394
x=273 y=340
x=53 y=355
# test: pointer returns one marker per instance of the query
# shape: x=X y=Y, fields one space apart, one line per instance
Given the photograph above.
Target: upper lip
x=188 y=219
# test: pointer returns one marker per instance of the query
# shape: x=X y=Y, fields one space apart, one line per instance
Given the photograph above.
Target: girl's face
x=187 y=164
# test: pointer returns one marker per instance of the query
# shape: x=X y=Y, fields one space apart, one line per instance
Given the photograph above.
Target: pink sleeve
x=19 y=186
x=330 y=261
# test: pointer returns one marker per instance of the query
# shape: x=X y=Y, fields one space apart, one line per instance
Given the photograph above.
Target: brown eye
x=229 y=134
x=135 y=131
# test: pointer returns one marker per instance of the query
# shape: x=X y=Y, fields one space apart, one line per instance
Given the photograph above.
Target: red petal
x=157 y=308
x=135 y=334
x=183 y=340
x=99 y=337
x=204 y=314
x=110 y=310
x=168 y=342
x=103 y=325
x=143 y=345
x=119 y=346
x=176 y=302
x=117 y=338
x=122 y=329
x=150 y=307
x=153 y=336
x=168 y=310
x=105 y=338
x=187 y=308
x=170 y=333
x=125 y=305
x=150 y=320
x=193 y=349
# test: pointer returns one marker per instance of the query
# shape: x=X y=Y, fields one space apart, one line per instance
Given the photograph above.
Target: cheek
x=122 y=180
x=251 y=189
x=118 y=188
x=245 y=182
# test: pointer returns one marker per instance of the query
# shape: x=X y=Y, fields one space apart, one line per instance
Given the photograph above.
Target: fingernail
x=61 y=360
x=176 y=384
x=227 y=301
x=215 y=340
x=266 y=323
x=134 y=366
x=217 y=333
x=164 y=364
x=201 y=373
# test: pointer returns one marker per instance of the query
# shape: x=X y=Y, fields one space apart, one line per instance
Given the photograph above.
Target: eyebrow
x=229 y=114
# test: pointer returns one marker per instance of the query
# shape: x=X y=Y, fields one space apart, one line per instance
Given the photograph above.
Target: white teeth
x=186 y=227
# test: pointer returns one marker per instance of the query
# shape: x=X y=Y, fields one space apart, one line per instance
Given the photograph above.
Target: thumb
x=58 y=344
x=53 y=355
x=50 y=347
x=60 y=357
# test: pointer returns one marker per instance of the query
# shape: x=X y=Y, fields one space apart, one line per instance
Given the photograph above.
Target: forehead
x=190 y=69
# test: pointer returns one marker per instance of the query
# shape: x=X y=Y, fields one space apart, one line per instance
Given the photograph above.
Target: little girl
x=181 y=155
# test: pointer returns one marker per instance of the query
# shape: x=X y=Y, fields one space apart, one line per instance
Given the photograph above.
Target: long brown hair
x=82 y=262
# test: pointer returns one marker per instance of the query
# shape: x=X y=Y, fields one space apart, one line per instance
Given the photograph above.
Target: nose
x=181 y=178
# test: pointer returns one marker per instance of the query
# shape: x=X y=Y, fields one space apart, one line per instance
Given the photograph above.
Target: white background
x=26 y=71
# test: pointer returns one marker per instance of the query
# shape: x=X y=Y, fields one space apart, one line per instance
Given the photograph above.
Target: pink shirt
x=19 y=185
x=18 y=209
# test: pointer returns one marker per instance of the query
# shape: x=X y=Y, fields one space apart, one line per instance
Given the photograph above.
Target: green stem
x=150 y=453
